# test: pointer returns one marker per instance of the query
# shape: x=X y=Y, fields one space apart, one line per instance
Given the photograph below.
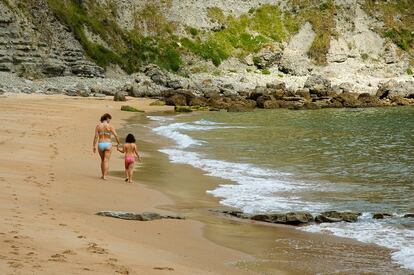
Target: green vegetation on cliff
x=153 y=38
x=398 y=18
x=129 y=49
x=243 y=35
x=321 y=17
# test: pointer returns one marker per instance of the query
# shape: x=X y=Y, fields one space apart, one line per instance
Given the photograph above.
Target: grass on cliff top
x=129 y=49
x=320 y=14
x=398 y=18
x=243 y=35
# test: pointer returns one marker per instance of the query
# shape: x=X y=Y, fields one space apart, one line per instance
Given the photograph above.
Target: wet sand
x=278 y=249
x=51 y=191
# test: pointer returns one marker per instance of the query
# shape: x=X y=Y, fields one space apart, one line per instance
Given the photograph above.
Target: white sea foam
x=257 y=189
x=382 y=232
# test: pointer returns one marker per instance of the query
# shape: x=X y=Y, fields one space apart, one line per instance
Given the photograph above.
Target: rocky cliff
x=354 y=43
x=33 y=43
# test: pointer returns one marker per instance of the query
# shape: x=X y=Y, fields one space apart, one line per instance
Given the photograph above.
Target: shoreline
x=216 y=224
x=52 y=191
x=50 y=223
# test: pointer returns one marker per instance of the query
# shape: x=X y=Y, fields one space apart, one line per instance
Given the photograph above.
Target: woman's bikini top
x=103 y=133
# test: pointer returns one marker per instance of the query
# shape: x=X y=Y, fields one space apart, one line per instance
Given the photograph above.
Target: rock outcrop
x=294 y=218
x=36 y=45
x=146 y=216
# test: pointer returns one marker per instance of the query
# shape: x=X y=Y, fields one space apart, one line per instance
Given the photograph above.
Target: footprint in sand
x=119 y=268
x=69 y=252
x=15 y=264
x=95 y=248
x=163 y=268
x=57 y=258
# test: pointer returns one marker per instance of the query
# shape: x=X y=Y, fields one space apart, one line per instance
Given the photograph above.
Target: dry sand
x=51 y=190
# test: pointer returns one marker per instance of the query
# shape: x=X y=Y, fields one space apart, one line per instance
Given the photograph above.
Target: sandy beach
x=51 y=191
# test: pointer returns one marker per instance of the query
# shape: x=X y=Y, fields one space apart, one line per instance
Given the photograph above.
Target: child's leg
x=130 y=171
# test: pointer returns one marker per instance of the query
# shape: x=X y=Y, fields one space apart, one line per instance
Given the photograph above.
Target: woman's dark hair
x=130 y=138
x=105 y=117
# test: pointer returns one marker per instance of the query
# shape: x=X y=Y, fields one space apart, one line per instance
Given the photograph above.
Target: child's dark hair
x=130 y=138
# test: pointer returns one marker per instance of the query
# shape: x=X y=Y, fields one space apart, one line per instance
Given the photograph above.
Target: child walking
x=131 y=152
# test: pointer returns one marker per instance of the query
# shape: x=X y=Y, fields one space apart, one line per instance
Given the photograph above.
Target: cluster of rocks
x=295 y=218
x=303 y=218
x=146 y=216
x=318 y=92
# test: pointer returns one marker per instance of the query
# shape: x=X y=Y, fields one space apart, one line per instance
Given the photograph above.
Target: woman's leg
x=107 y=156
x=102 y=155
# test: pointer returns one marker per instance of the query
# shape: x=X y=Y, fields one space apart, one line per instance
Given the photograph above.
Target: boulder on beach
x=120 y=96
x=128 y=108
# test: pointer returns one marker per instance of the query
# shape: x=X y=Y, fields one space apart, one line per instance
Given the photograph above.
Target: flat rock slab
x=146 y=216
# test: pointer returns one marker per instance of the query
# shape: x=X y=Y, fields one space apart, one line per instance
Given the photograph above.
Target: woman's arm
x=115 y=134
x=122 y=150
x=95 y=139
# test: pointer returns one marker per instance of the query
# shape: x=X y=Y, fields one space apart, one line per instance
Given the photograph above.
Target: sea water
x=333 y=159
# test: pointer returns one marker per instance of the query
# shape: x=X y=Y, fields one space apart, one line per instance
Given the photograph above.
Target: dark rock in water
x=409 y=215
x=318 y=85
x=311 y=106
x=241 y=105
x=295 y=218
x=176 y=100
x=198 y=101
x=180 y=97
x=380 y=216
x=271 y=104
x=146 y=216
x=291 y=218
x=344 y=216
x=260 y=101
x=219 y=102
x=325 y=219
x=120 y=96
x=368 y=100
x=348 y=100
x=401 y=101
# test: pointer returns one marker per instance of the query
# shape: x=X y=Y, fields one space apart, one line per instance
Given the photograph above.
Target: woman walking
x=103 y=134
